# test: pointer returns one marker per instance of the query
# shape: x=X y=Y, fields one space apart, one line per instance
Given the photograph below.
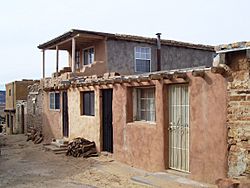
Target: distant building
x=15 y=106
x=2 y=103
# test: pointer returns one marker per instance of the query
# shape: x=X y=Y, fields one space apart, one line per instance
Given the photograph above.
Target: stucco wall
x=145 y=145
x=9 y=104
x=120 y=55
x=52 y=120
x=208 y=134
x=81 y=125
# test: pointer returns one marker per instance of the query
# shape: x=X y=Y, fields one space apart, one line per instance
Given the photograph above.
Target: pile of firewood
x=35 y=136
x=80 y=147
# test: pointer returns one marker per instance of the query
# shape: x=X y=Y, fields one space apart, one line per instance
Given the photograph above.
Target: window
x=54 y=102
x=88 y=103
x=9 y=92
x=142 y=59
x=144 y=104
x=77 y=59
x=88 y=56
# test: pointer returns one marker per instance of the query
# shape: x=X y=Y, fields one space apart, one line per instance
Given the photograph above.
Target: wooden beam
x=198 y=73
x=57 y=60
x=218 y=70
x=182 y=75
x=73 y=55
x=167 y=76
x=155 y=76
x=43 y=63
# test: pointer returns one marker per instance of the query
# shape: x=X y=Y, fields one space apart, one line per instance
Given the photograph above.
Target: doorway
x=179 y=127
x=65 y=114
x=107 y=116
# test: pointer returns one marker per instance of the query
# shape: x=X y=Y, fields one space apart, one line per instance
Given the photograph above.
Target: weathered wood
x=155 y=76
x=198 y=73
x=182 y=75
x=218 y=70
x=81 y=147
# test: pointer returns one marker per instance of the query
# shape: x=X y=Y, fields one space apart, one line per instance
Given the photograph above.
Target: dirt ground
x=24 y=164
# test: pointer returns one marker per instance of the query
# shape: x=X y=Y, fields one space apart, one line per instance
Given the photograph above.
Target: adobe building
x=155 y=104
x=15 y=106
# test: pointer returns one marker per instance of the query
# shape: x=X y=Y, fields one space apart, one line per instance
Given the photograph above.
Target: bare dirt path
x=24 y=164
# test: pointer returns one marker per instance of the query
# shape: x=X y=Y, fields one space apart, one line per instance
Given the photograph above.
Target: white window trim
x=142 y=59
x=83 y=55
x=53 y=109
x=134 y=95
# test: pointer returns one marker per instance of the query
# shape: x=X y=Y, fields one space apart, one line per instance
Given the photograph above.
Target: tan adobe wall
x=238 y=118
x=21 y=88
x=52 y=120
x=145 y=145
x=18 y=117
x=9 y=104
x=81 y=125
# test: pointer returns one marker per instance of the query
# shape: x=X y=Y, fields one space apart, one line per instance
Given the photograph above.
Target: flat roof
x=133 y=38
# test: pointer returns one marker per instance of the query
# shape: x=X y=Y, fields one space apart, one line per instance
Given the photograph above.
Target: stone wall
x=34 y=107
x=238 y=115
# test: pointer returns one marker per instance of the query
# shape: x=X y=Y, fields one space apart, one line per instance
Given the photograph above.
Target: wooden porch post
x=73 y=54
x=43 y=63
x=57 y=60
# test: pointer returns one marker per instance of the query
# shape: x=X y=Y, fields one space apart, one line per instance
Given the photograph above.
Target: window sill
x=87 y=115
x=55 y=110
x=142 y=123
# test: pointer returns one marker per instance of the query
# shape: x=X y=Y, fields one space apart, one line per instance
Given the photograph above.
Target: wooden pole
x=57 y=60
x=43 y=63
x=73 y=54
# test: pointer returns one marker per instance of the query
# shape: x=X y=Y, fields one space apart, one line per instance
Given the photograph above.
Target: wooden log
x=198 y=73
x=218 y=70
x=155 y=76
x=182 y=75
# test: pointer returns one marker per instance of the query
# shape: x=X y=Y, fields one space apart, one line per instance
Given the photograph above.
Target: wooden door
x=65 y=114
x=107 y=97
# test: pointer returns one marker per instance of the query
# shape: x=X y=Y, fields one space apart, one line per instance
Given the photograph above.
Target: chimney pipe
x=158 y=51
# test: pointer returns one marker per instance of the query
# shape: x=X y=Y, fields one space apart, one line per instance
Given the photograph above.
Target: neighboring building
x=174 y=113
x=15 y=107
x=2 y=104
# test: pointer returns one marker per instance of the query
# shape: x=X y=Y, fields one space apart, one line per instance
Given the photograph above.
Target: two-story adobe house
x=16 y=97
x=95 y=53
x=148 y=101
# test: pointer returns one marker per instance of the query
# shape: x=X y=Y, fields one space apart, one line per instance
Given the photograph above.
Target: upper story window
x=88 y=56
x=54 y=101
x=9 y=92
x=142 y=59
x=144 y=104
x=77 y=59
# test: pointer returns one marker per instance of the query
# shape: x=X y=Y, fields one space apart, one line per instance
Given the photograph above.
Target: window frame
x=90 y=112
x=59 y=100
x=137 y=111
x=83 y=61
x=135 y=58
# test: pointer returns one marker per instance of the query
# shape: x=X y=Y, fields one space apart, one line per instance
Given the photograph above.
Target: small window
x=9 y=92
x=88 y=103
x=142 y=59
x=144 y=104
x=88 y=56
x=54 y=101
x=77 y=59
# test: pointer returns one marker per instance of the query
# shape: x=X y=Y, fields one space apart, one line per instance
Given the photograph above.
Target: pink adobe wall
x=145 y=145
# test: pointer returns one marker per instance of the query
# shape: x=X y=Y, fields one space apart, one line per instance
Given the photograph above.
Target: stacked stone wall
x=238 y=115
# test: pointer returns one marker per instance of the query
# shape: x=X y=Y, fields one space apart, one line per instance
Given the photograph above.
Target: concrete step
x=59 y=145
x=54 y=148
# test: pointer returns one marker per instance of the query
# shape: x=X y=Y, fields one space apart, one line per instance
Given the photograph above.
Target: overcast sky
x=26 y=23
